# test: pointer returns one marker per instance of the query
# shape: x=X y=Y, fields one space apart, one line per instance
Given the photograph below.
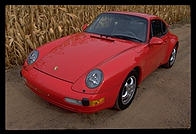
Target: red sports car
x=102 y=66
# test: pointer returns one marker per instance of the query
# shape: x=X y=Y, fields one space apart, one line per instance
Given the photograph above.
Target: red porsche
x=102 y=66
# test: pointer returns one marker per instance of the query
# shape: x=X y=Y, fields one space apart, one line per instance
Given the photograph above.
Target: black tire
x=171 y=61
x=121 y=102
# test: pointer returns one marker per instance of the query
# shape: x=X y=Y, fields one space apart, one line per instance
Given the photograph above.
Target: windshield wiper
x=105 y=35
x=126 y=37
x=103 y=38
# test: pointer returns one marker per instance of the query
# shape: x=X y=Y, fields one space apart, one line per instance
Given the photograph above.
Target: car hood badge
x=55 y=68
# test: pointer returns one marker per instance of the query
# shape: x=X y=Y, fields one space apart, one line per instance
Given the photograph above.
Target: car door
x=156 y=53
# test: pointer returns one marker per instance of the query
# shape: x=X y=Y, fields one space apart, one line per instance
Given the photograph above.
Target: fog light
x=76 y=102
x=96 y=102
x=85 y=102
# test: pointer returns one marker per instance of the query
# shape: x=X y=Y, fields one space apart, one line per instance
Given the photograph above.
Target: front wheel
x=127 y=91
x=172 y=58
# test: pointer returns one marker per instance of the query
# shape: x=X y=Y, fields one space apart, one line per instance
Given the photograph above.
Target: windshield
x=122 y=26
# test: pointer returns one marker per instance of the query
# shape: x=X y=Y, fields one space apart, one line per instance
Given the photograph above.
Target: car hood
x=79 y=54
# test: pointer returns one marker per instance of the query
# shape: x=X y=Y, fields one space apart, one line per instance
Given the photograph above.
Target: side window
x=156 y=28
x=164 y=28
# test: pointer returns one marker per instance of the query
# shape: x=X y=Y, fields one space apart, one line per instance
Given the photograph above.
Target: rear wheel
x=172 y=58
x=127 y=91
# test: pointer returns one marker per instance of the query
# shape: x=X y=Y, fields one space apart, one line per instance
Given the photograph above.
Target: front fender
x=46 y=48
x=115 y=71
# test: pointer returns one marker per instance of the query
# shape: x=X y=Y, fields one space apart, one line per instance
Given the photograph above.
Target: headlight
x=94 y=78
x=32 y=57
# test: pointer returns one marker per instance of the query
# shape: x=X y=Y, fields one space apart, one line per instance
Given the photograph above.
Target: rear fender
x=173 y=40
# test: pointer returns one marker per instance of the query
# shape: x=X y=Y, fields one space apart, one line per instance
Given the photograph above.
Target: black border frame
x=91 y=2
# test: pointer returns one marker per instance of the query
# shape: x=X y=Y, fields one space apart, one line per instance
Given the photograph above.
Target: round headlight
x=32 y=57
x=94 y=78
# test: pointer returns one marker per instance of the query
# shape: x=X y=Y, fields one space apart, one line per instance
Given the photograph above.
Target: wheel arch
x=139 y=72
x=136 y=69
x=173 y=42
x=177 y=43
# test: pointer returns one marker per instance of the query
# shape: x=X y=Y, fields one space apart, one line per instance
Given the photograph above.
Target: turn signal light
x=96 y=102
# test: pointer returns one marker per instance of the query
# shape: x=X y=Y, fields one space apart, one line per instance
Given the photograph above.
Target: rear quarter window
x=164 y=28
x=158 y=28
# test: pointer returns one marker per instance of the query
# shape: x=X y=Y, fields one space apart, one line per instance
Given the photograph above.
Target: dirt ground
x=163 y=100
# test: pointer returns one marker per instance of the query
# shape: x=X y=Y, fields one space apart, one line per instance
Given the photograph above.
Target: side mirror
x=84 y=27
x=156 y=41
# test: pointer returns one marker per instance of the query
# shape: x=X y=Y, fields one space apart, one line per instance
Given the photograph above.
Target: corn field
x=29 y=26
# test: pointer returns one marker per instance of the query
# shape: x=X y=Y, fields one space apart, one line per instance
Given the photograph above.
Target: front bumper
x=55 y=90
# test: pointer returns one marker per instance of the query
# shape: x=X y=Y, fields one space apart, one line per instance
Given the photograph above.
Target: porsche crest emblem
x=55 y=68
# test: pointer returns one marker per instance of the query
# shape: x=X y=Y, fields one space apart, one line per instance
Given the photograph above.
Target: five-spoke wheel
x=127 y=91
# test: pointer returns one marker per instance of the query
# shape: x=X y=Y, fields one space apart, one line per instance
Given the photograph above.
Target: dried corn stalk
x=28 y=27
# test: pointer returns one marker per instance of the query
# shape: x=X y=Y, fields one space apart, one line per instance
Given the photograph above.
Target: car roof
x=143 y=15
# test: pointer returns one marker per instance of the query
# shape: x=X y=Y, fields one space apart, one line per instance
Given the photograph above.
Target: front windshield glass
x=122 y=26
